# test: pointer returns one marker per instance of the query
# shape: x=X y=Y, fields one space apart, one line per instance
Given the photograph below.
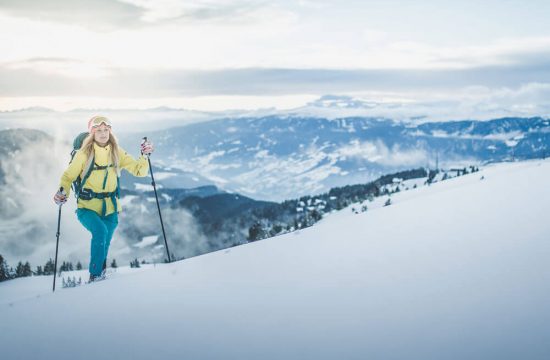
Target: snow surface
x=455 y=270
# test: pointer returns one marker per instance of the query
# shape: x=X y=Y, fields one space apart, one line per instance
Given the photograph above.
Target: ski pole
x=57 y=242
x=158 y=206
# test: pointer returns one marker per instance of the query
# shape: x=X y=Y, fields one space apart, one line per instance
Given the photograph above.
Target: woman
x=98 y=164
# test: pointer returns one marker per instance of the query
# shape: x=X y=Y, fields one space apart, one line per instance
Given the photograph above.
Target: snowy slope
x=456 y=270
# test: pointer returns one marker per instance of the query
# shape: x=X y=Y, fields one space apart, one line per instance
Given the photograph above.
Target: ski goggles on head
x=98 y=120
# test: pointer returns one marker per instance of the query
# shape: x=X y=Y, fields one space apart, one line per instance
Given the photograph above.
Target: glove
x=60 y=197
x=147 y=148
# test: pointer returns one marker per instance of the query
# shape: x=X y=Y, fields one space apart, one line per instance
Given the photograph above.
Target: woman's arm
x=139 y=167
x=75 y=168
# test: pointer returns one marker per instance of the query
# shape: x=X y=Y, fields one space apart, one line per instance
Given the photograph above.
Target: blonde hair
x=88 y=148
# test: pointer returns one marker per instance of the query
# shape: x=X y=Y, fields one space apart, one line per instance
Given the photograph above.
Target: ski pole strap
x=105 y=178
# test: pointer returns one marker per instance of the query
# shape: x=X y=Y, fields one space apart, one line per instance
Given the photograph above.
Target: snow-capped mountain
x=343 y=102
x=455 y=270
x=281 y=157
x=268 y=158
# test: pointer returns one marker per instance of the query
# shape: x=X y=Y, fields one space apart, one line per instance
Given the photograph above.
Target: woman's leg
x=111 y=222
x=93 y=222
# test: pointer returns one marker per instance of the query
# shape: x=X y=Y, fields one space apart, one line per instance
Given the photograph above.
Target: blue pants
x=102 y=229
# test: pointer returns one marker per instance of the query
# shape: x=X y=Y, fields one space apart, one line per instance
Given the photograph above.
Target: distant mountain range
x=280 y=157
x=219 y=180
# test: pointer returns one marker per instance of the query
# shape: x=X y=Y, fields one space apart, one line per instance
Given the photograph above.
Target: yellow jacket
x=102 y=157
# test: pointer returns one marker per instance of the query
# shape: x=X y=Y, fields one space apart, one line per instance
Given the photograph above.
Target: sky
x=213 y=55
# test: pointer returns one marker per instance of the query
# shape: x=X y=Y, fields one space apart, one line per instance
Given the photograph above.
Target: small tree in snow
x=39 y=270
x=4 y=270
x=134 y=263
x=49 y=267
x=23 y=270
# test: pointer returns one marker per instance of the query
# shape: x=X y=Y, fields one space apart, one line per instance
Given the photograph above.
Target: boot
x=94 y=278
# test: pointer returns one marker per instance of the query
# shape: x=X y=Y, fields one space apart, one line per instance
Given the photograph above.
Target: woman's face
x=101 y=134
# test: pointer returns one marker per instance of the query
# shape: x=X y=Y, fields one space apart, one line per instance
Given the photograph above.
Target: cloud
x=380 y=153
x=469 y=102
x=500 y=52
x=111 y=15
x=478 y=93
x=65 y=67
x=28 y=226
x=216 y=34
x=23 y=79
x=102 y=15
x=139 y=220
x=213 y=11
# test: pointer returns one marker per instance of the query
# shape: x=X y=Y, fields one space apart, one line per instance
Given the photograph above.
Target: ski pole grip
x=61 y=190
x=143 y=142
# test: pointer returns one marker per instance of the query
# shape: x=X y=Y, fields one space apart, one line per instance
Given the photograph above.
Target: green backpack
x=78 y=183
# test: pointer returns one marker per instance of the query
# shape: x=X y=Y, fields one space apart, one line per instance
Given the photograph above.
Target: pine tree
x=19 y=270
x=71 y=282
x=254 y=232
x=78 y=266
x=27 y=269
x=39 y=270
x=134 y=263
x=316 y=216
x=114 y=264
x=49 y=267
x=4 y=271
x=277 y=229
